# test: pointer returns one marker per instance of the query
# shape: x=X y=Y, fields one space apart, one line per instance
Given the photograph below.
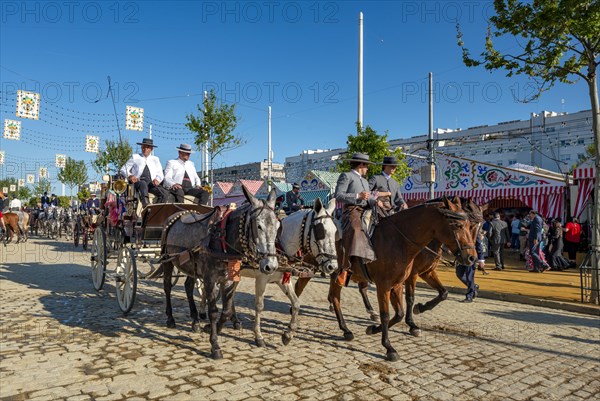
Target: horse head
x=323 y=234
x=457 y=234
x=262 y=225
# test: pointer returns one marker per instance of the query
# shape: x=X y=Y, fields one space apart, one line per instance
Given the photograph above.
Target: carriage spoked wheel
x=126 y=279
x=98 y=258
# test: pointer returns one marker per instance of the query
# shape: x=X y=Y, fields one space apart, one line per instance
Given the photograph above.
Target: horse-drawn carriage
x=126 y=233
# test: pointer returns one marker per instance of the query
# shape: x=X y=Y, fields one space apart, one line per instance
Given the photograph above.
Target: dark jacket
x=293 y=201
x=535 y=229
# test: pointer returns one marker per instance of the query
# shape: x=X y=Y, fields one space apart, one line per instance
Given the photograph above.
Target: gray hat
x=147 y=142
x=360 y=158
x=295 y=185
x=390 y=161
x=185 y=148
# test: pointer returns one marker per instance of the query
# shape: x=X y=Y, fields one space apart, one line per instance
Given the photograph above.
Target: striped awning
x=547 y=200
x=238 y=200
x=584 y=173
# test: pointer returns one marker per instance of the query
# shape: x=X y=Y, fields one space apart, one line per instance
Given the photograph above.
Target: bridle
x=306 y=240
x=248 y=230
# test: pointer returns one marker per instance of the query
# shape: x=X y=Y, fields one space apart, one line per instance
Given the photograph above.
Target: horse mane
x=473 y=212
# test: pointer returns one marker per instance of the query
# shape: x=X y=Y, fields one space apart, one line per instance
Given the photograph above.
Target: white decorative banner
x=28 y=105
x=92 y=143
x=5 y=190
x=13 y=187
x=21 y=182
x=61 y=161
x=1 y=157
x=43 y=173
x=30 y=178
x=134 y=120
x=12 y=129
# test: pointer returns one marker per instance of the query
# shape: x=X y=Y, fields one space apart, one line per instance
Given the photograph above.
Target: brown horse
x=397 y=241
x=11 y=220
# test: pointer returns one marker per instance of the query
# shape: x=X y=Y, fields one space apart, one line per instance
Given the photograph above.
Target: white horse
x=311 y=233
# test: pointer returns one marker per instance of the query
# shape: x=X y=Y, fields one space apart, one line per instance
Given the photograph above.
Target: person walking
x=466 y=274
x=572 y=238
x=515 y=230
x=499 y=236
x=536 y=262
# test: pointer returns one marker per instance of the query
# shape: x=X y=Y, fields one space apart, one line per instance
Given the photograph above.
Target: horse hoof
x=203 y=316
x=196 y=327
x=331 y=308
x=171 y=324
x=260 y=342
x=415 y=332
x=371 y=329
x=348 y=336
x=237 y=326
x=374 y=317
x=206 y=328
x=417 y=309
x=286 y=338
x=392 y=356
x=216 y=354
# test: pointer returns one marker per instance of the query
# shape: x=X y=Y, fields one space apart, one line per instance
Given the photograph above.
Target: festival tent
x=483 y=182
x=585 y=177
x=318 y=184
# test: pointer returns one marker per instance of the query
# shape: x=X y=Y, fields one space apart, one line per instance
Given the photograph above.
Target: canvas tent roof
x=456 y=176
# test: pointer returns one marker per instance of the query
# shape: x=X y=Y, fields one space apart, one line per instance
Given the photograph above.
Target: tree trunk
x=593 y=88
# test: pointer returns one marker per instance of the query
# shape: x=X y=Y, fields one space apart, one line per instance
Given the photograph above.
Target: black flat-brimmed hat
x=185 y=148
x=295 y=185
x=147 y=142
x=390 y=161
x=360 y=158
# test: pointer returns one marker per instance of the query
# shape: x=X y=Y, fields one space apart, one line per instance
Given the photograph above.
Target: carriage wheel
x=126 y=279
x=98 y=258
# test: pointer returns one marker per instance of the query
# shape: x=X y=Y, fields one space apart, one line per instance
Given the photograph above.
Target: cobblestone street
x=61 y=339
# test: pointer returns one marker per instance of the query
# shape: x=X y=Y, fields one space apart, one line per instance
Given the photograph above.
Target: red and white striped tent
x=483 y=182
x=585 y=177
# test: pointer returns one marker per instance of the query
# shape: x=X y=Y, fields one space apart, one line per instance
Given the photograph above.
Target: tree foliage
x=113 y=157
x=43 y=185
x=74 y=174
x=214 y=127
x=368 y=141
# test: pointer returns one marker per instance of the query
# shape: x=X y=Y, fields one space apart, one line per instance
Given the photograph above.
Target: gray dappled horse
x=311 y=231
x=250 y=232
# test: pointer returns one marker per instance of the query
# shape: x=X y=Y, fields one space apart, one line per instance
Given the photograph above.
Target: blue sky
x=300 y=58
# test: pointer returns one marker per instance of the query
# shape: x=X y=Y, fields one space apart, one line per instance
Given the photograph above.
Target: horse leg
x=396 y=301
x=168 y=272
x=300 y=285
x=212 y=293
x=335 y=297
x=411 y=285
x=189 y=292
x=259 y=294
x=383 y=297
x=363 y=288
x=202 y=295
x=432 y=279
x=228 y=313
x=293 y=326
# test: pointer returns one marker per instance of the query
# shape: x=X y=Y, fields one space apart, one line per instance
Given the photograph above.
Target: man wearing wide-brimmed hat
x=293 y=200
x=182 y=179
x=353 y=190
x=389 y=200
x=145 y=172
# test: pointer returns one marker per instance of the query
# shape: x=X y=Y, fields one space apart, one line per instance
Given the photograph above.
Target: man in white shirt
x=182 y=179
x=15 y=205
x=145 y=172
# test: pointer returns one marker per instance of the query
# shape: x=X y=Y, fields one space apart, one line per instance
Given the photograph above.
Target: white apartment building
x=548 y=140
x=251 y=171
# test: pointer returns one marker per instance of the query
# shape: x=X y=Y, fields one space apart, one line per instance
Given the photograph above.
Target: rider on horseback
x=2 y=197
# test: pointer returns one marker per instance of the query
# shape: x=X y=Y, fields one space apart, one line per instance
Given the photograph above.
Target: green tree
x=113 y=157
x=74 y=174
x=83 y=194
x=214 y=127
x=368 y=141
x=43 y=185
x=24 y=193
x=557 y=41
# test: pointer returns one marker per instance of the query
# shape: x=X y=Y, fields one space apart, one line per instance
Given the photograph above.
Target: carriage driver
x=390 y=199
x=182 y=179
x=353 y=190
x=145 y=172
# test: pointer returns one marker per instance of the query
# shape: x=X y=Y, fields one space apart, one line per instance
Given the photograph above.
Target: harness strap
x=223 y=231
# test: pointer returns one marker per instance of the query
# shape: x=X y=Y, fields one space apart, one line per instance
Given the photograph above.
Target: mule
x=397 y=240
x=250 y=232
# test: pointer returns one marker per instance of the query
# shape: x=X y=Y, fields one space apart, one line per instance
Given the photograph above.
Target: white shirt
x=15 y=204
x=136 y=165
x=175 y=171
